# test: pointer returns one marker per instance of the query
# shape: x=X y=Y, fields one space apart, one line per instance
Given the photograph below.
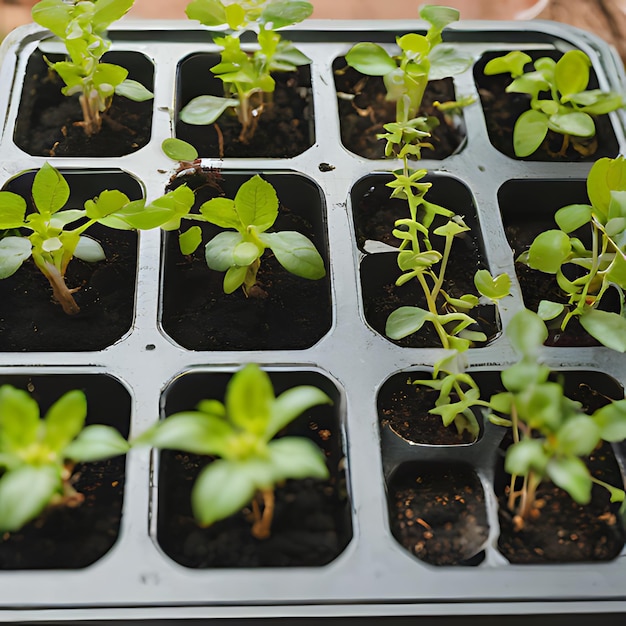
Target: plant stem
x=92 y=121
x=263 y=520
x=61 y=293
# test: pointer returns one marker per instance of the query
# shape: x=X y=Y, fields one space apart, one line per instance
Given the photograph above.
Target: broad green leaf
x=234 y=278
x=89 y=250
x=611 y=419
x=221 y=489
x=222 y=212
x=296 y=458
x=107 y=76
x=501 y=402
x=109 y=201
x=439 y=16
x=235 y=16
x=292 y=403
x=179 y=150
x=617 y=205
x=533 y=84
x=220 y=250
x=572 y=217
x=572 y=475
x=190 y=240
x=447 y=61
x=65 y=419
x=19 y=419
x=256 y=203
x=526 y=332
x=579 y=435
x=24 y=493
x=139 y=216
x=207 y=12
x=12 y=210
x=13 y=252
x=249 y=399
x=55 y=15
x=512 y=63
x=62 y=218
x=604 y=103
x=413 y=43
x=548 y=310
x=405 y=321
x=133 y=90
x=95 y=443
x=529 y=132
x=288 y=56
x=296 y=253
x=616 y=272
x=109 y=11
x=246 y=253
x=540 y=406
x=577 y=123
x=608 y=328
x=528 y=454
x=205 y=110
x=285 y=12
x=605 y=176
x=549 y=251
x=50 y=190
x=571 y=74
x=490 y=287
x=370 y=59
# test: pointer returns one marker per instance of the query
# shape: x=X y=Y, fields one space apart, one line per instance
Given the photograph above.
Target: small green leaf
x=205 y=110
x=292 y=403
x=24 y=493
x=605 y=176
x=548 y=310
x=249 y=399
x=296 y=253
x=611 y=419
x=12 y=210
x=109 y=201
x=222 y=212
x=256 y=203
x=448 y=61
x=572 y=475
x=234 y=278
x=527 y=333
x=549 y=251
x=571 y=74
x=608 y=328
x=528 y=454
x=179 y=150
x=579 y=435
x=95 y=443
x=246 y=253
x=50 y=190
x=533 y=84
x=190 y=240
x=65 y=419
x=219 y=252
x=19 y=419
x=133 y=90
x=603 y=102
x=529 y=132
x=109 y=11
x=370 y=59
x=13 y=252
x=576 y=123
x=207 y=12
x=280 y=13
x=501 y=402
x=405 y=321
x=572 y=217
x=512 y=63
x=490 y=287
x=296 y=458
x=89 y=250
x=55 y=15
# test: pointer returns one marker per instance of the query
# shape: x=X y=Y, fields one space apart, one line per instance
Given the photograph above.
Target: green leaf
x=65 y=419
x=405 y=321
x=179 y=150
x=605 y=176
x=89 y=250
x=548 y=310
x=448 y=61
x=528 y=454
x=549 y=251
x=572 y=475
x=24 y=493
x=603 y=102
x=370 y=59
x=55 y=15
x=62 y=218
x=222 y=212
x=533 y=84
x=109 y=11
x=576 y=123
x=285 y=12
x=296 y=253
x=50 y=190
x=249 y=399
x=579 y=435
x=205 y=110
x=190 y=240
x=221 y=489
x=490 y=287
x=292 y=403
x=109 y=201
x=527 y=333
x=246 y=253
x=256 y=203
x=296 y=458
x=529 y=132
x=439 y=16
x=207 y=12
x=133 y=90
x=512 y=63
x=12 y=210
x=19 y=419
x=571 y=74
x=234 y=278
x=611 y=419
x=540 y=406
x=572 y=217
x=95 y=443
x=608 y=328
x=219 y=252
x=501 y=402
x=13 y=252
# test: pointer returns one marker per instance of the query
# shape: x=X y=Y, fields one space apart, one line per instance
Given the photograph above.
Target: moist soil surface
x=72 y=537
x=46 y=122
x=362 y=117
x=438 y=514
x=284 y=128
x=30 y=320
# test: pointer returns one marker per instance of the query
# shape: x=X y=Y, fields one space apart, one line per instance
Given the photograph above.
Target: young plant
x=550 y=431
x=568 y=109
x=247 y=76
x=238 y=252
x=81 y=25
x=598 y=268
x=51 y=242
x=241 y=432
x=406 y=75
x=37 y=456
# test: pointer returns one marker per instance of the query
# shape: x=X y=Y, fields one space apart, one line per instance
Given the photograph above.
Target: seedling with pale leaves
x=241 y=433
x=37 y=455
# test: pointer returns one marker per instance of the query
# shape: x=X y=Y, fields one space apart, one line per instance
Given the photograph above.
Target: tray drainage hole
x=150 y=346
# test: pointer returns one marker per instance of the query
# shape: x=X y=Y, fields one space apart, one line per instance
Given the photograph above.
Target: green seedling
x=559 y=100
x=247 y=76
x=406 y=75
x=82 y=25
x=52 y=235
x=241 y=432
x=550 y=431
x=598 y=268
x=238 y=251
x=37 y=455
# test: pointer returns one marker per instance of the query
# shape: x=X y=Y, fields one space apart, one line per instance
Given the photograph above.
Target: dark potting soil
x=283 y=311
x=72 y=537
x=46 y=122
x=30 y=320
x=284 y=129
x=438 y=513
x=362 y=116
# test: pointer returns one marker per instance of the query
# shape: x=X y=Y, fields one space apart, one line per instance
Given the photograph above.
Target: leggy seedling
x=82 y=26
x=569 y=108
x=37 y=456
x=241 y=432
x=247 y=76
